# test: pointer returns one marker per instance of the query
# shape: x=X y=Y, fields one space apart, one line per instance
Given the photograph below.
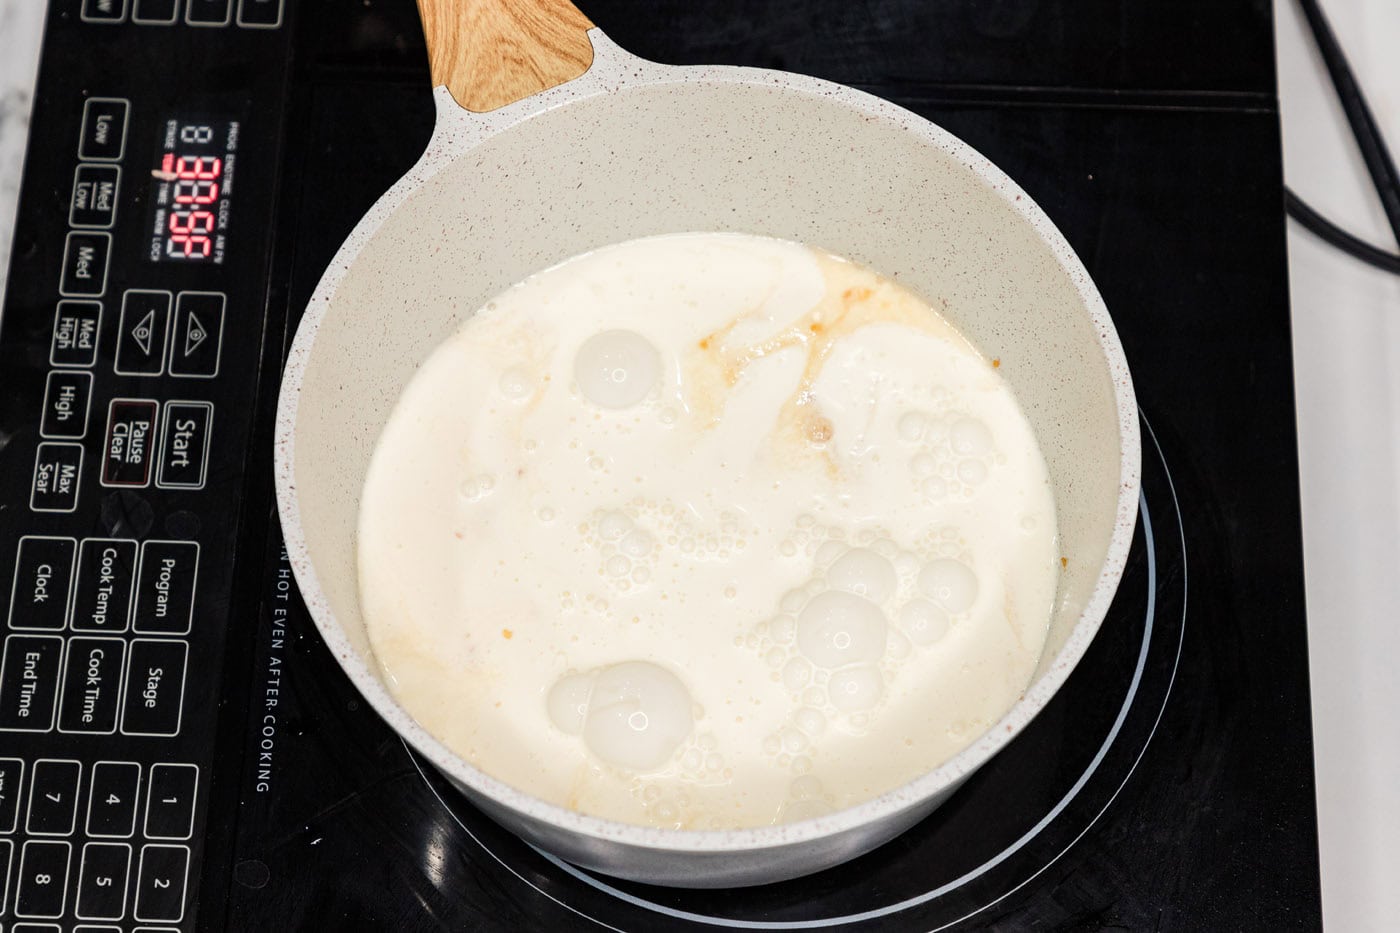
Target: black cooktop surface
x=1169 y=784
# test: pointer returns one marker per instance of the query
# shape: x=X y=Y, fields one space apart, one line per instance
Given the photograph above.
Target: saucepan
x=551 y=141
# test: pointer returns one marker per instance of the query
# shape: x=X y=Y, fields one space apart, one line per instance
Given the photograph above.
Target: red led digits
x=196 y=182
x=189 y=231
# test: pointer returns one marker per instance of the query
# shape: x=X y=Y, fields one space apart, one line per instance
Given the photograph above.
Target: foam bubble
x=567 y=702
x=614 y=525
x=924 y=622
x=911 y=426
x=864 y=572
x=637 y=544
x=617 y=566
x=838 y=628
x=796 y=674
x=970 y=437
x=515 y=383
x=949 y=582
x=616 y=368
x=972 y=472
x=829 y=552
x=856 y=688
x=810 y=720
x=639 y=713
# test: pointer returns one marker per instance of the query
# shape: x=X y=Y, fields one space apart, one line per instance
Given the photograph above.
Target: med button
x=85 y=264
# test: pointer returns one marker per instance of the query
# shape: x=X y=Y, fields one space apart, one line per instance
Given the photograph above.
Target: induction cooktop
x=179 y=751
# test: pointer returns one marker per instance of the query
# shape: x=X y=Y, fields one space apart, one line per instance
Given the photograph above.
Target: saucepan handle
x=490 y=53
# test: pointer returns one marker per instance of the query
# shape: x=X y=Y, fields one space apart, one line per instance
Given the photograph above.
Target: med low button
x=128 y=450
x=94 y=202
x=155 y=687
x=184 y=446
x=165 y=587
x=43 y=582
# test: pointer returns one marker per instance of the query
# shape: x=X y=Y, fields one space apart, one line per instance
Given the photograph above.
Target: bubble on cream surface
x=707 y=531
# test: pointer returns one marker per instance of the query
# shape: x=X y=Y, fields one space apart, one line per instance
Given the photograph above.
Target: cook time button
x=127 y=452
x=94 y=201
x=184 y=447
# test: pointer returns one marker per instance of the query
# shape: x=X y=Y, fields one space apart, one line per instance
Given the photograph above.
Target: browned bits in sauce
x=507 y=633
x=996 y=362
x=1064 y=561
x=819 y=430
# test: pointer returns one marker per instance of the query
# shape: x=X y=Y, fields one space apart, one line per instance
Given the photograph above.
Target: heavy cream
x=707 y=531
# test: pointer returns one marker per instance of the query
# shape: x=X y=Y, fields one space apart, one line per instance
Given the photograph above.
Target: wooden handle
x=489 y=53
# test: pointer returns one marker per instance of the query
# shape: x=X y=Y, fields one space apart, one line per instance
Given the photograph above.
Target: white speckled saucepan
x=629 y=148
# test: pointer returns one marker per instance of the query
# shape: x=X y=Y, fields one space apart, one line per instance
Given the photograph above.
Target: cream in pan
x=707 y=531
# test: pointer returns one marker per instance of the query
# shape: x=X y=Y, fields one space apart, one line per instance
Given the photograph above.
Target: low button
x=94 y=202
x=155 y=687
x=128 y=450
x=67 y=398
x=76 y=325
x=170 y=801
x=141 y=333
x=85 y=264
x=102 y=881
x=103 y=11
x=57 y=471
x=184 y=446
x=198 y=332
x=106 y=569
x=29 y=674
x=53 y=797
x=43 y=582
x=165 y=587
x=104 y=129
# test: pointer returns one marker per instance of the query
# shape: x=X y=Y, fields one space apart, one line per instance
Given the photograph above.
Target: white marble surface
x=1346 y=321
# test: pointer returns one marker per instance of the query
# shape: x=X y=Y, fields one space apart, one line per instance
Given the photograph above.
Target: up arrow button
x=199 y=328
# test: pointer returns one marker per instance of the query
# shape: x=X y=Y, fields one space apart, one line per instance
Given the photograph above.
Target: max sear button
x=67 y=396
x=75 y=328
x=102 y=601
x=199 y=329
x=170 y=804
x=141 y=333
x=112 y=801
x=94 y=202
x=165 y=587
x=85 y=264
x=29 y=682
x=129 y=450
x=53 y=798
x=260 y=14
x=154 y=12
x=43 y=582
x=102 y=881
x=103 y=11
x=43 y=879
x=11 y=779
x=57 y=468
x=104 y=129
x=155 y=687
x=92 y=676
x=208 y=12
x=184 y=446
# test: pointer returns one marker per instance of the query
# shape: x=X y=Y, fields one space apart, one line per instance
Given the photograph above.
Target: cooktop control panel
x=129 y=345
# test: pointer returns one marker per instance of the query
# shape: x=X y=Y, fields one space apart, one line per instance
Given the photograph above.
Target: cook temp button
x=127 y=451
x=102 y=602
x=184 y=448
x=155 y=687
x=29 y=682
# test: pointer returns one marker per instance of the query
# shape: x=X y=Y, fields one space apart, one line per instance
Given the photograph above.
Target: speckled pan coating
x=633 y=148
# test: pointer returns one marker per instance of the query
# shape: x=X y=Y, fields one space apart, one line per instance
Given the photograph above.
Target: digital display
x=192 y=190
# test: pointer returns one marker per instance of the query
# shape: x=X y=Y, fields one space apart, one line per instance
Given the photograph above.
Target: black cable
x=1299 y=210
x=1363 y=125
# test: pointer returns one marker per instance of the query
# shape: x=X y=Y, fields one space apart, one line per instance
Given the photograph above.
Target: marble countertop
x=1346 y=323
